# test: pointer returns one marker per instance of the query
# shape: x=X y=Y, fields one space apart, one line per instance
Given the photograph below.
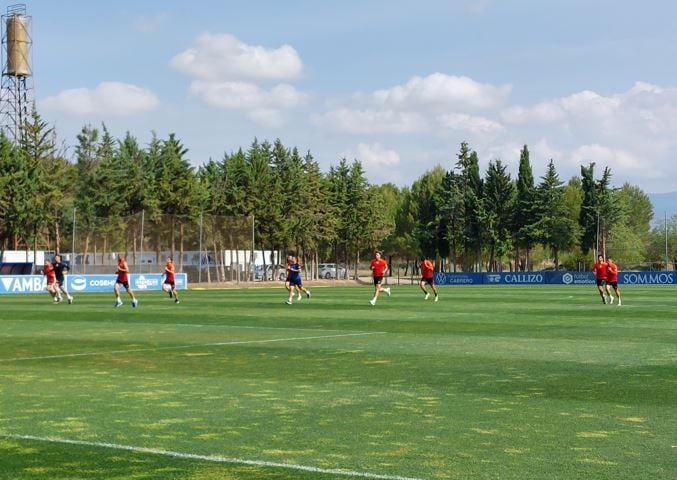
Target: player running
x=427 y=278
x=59 y=269
x=379 y=268
x=169 y=284
x=600 y=268
x=612 y=280
x=123 y=279
x=295 y=282
x=51 y=281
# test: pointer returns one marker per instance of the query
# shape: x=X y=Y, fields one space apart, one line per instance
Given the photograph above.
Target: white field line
x=207 y=458
x=179 y=347
x=252 y=327
x=208 y=325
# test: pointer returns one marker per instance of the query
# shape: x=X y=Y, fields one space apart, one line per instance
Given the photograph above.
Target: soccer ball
x=166 y=287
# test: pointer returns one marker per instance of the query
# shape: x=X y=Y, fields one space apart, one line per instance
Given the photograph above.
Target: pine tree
x=499 y=197
x=524 y=212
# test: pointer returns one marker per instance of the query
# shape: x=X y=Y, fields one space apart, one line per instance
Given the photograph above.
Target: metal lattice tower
x=16 y=91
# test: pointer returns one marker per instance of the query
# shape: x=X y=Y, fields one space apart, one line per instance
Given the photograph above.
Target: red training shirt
x=600 y=269
x=169 y=272
x=123 y=275
x=378 y=267
x=50 y=274
x=612 y=272
x=427 y=269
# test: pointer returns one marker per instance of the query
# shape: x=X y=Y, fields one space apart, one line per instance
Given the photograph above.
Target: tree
x=473 y=206
x=499 y=198
x=524 y=212
x=44 y=178
x=425 y=193
x=553 y=225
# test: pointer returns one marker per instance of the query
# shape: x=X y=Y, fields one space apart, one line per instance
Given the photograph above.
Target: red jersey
x=123 y=274
x=50 y=274
x=427 y=269
x=378 y=267
x=612 y=272
x=169 y=272
x=600 y=269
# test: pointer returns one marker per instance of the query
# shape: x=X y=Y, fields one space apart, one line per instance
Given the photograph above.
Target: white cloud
x=262 y=106
x=379 y=163
x=468 y=123
x=245 y=96
x=222 y=57
x=370 y=121
x=440 y=91
x=621 y=161
x=108 y=98
x=376 y=156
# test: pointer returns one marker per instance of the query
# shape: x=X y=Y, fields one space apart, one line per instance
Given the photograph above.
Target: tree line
x=465 y=219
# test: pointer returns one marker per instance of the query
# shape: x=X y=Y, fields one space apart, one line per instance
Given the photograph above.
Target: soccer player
x=600 y=269
x=427 y=278
x=51 y=281
x=287 y=282
x=612 y=280
x=169 y=284
x=379 y=268
x=59 y=269
x=123 y=279
x=295 y=282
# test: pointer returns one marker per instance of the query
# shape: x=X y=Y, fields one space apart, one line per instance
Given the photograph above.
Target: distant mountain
x=663 y=203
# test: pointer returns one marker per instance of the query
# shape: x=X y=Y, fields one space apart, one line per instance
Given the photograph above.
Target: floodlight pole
x=597 y=237
x=666 y=239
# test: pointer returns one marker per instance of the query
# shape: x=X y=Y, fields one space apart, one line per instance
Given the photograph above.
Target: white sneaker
x=118 y=303
x=288 y=302
x=426 y=296
x=135 y=302
x=308 y=294
x=611 y=300
x=70 y=300
x=298 y=297
x=387 y=290
x=372 y=301
x=436 y=298
x=619 y=303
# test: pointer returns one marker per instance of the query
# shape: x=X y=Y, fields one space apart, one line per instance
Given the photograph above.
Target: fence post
x=143 y=218
x=199 y=269
x=73 y=243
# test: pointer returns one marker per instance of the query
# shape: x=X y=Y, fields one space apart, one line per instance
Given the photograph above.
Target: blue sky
x=398 y=85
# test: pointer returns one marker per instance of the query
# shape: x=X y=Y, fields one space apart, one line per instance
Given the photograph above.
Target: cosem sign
x=86 y=283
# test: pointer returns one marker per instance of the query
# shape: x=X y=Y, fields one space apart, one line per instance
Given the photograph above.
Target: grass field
x=490 y=382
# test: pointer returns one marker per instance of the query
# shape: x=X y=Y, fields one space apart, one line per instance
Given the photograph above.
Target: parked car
x=270 y=273
x=331 y=271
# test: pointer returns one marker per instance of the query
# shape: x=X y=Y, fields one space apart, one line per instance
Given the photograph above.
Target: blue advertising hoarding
x=86 y=283
x=551 y=278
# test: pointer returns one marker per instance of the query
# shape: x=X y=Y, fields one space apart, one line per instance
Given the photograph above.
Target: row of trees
x=465 y=219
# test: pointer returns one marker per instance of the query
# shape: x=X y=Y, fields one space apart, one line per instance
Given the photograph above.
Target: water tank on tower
x=18 y=63
x=16 y=91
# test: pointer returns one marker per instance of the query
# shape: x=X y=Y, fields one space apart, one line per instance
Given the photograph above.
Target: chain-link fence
x=210 y=249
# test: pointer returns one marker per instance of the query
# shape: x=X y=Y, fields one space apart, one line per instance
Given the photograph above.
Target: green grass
x=490 y=382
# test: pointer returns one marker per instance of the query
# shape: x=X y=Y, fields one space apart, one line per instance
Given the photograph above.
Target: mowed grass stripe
x=487 y=382
x=183 y=347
